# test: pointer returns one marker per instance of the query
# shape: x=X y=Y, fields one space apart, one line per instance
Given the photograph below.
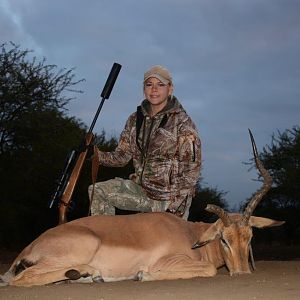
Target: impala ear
x=260 y=222
x=209 y=235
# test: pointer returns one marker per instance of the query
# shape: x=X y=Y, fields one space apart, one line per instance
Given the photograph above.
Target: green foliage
x=282 y=158
x=282 y=202
x=28 y=87
x=35 y=137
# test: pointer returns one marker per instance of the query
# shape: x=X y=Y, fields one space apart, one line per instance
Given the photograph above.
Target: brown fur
x=150 y=246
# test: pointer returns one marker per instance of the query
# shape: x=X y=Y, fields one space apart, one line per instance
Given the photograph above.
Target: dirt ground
x=275 y=279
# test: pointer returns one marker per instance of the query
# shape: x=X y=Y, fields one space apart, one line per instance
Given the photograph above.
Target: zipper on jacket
x=194 y=152
x=145 y=150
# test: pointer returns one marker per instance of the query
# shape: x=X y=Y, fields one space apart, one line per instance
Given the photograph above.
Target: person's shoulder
x=131 y=120
x=183 y=116
x=186 y=124
x=132 y=116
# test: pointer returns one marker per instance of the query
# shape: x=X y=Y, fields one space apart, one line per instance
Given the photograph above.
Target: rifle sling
x=95 y=168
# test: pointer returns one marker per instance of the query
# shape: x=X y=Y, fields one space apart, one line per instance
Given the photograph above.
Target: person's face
x=157 y=93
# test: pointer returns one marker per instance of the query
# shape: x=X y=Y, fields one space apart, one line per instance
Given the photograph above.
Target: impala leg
x=6 y=278
x=37 y=275
x=178 y=266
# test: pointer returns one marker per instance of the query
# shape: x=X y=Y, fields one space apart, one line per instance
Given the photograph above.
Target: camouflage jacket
x=165 y=150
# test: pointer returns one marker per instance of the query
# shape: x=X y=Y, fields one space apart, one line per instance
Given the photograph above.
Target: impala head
x=234 y=231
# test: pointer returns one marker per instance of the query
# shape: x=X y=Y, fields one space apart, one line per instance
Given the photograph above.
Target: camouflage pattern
x=127 y=195
x=166 y=157
x=124 y=194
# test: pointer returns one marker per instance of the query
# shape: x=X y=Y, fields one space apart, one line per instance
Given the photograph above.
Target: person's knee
x=97 y=189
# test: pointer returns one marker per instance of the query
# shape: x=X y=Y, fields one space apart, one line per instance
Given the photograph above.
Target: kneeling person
x=164 y=145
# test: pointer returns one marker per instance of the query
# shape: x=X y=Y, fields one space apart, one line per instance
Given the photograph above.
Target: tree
x=28 y=87
x=35 y=136
x=204 y=196
x=282 y=160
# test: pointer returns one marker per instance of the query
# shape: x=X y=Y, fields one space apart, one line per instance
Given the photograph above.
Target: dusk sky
x=235 y=65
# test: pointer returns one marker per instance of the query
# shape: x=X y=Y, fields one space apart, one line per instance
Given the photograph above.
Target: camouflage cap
x=160 y=73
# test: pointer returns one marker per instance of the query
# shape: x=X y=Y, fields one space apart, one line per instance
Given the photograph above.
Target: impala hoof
x=138 y=276
x=2 y=282
x=98 y=279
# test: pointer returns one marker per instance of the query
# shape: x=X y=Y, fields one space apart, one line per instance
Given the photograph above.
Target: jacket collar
x=172 y=106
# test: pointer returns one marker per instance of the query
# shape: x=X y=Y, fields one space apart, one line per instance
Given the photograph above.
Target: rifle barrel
x=110 y=82
x=67 y=183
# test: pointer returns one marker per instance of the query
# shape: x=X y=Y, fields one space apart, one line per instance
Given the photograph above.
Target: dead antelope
x=149 y=246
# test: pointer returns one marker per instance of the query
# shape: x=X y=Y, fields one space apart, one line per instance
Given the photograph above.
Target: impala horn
x=220 y=212
x=267 y=183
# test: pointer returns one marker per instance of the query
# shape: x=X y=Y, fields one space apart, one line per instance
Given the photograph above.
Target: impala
x=145 y=246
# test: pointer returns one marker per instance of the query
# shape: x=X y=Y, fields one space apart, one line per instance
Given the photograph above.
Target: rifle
x=75 y=160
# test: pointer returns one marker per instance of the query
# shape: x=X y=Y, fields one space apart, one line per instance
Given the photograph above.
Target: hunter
x=164 y=145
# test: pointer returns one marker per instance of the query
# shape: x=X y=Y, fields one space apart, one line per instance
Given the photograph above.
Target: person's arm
x=122 y=154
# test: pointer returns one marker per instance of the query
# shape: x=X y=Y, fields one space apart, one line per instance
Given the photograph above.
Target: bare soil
x=272 y=279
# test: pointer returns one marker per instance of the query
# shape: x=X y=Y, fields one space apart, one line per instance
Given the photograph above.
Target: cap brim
x=160 y=78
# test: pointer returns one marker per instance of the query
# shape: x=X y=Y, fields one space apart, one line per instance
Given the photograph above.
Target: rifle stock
x=68 y=181
x=68 y=192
